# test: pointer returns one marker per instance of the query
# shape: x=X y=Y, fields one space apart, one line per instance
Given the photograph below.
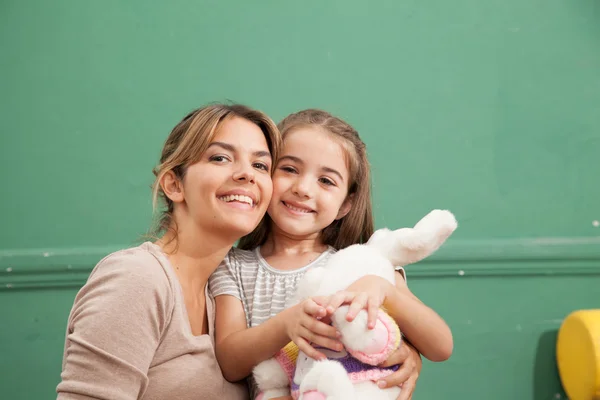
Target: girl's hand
x=303 y=326
x=410 y=367
x=368 y=293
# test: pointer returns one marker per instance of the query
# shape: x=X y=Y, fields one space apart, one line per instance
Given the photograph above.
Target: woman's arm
x=425 y=329
x=239 y=349
x=114 y=328
x=407 y=375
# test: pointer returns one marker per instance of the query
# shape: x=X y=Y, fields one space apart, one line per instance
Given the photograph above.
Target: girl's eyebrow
x=333 y=171
x=299 y=161
x=292 y=158
x=231 y=148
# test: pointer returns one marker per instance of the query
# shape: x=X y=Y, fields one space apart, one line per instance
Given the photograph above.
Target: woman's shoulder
x=144 y=266
x=128 y=285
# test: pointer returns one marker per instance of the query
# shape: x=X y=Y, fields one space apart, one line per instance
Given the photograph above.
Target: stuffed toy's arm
x=273 y=376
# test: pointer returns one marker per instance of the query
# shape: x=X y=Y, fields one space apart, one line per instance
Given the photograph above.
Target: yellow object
x=291 y=352
x=578 y=355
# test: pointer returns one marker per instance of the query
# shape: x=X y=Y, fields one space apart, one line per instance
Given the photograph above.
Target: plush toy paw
x=274 y=374
x=273 y=394
x=313 y=395
x=326 y=379
x=371 y=346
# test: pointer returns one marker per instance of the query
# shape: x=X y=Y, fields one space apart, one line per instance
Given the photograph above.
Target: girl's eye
x=218 y=158
x=327 y=181
x=263 y=166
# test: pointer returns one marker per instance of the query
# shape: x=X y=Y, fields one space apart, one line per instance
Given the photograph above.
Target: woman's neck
x=194 y=254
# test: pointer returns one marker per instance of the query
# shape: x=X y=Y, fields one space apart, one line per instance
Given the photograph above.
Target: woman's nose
x=245 y=173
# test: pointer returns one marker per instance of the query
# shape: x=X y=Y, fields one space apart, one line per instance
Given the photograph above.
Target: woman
x=142 y=326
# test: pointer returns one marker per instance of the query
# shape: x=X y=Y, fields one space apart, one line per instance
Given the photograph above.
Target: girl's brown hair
x=357 y=226
x=190 y=138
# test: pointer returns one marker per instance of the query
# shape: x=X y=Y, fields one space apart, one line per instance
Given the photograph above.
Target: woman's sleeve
x=114 y=328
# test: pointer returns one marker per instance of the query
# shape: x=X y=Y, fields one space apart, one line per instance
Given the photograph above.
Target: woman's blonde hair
x=358 y=225
x=190 y=138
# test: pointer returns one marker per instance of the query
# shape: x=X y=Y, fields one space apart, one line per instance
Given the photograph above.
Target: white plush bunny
x=352 y=373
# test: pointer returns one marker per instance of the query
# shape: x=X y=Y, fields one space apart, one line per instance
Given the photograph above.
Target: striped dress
x=263 y=290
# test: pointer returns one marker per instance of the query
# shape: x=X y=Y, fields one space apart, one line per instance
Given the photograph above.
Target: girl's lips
x=297 y=208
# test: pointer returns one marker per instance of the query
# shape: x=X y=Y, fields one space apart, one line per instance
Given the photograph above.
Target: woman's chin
x=242 y=227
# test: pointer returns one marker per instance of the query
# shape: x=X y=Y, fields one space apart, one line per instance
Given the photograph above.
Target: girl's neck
x=279 y=243
x=194 y=254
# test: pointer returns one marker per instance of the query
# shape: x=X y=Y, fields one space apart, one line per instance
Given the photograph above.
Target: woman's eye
x=218 y=158
x=262 y=166
x=289 y=170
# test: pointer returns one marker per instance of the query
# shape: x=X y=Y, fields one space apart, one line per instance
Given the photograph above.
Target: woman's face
x=229 y=189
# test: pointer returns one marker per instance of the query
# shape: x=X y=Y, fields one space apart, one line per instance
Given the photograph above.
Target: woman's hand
x=368 y=292
x=304 y=326
x=410 y=367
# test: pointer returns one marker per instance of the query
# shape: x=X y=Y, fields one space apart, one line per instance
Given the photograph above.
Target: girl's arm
x=239 y=349
x=423 y=327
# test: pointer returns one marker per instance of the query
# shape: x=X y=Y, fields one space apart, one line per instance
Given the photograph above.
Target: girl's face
x=310 y=184
x=229 y=189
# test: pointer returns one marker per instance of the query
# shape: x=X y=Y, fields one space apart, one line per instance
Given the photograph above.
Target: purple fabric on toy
x=359 y=370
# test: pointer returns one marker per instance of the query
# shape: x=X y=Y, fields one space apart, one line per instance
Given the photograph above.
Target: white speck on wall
x=595 y=223
x=46 y=254
x=557 y=396
x=519 y=328
x=469 y=322
x=461 y=272
x=9 y=269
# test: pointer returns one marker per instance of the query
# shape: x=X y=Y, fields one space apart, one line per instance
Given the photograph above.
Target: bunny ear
x=441 y=222
x=409 y=245
x=380 y=238
x=396 y=245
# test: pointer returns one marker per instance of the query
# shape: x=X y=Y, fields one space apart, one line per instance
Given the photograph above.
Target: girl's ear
x=346 y=207
x=172 y=187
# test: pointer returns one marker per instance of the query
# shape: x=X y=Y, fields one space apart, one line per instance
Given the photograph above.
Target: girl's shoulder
x=239 y=257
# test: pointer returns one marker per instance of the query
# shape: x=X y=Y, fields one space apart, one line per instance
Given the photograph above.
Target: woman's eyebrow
x=231 y=148
x=226 y=146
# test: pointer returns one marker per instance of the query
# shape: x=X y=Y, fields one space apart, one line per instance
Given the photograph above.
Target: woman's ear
x=346 y=207
x=172 y=187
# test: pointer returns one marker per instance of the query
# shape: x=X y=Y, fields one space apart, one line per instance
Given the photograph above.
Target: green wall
x=488 y=108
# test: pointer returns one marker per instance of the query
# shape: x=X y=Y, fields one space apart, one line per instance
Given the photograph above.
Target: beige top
x=129 y=336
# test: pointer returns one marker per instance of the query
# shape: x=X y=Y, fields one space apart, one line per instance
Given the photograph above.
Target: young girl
x=321 y=203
